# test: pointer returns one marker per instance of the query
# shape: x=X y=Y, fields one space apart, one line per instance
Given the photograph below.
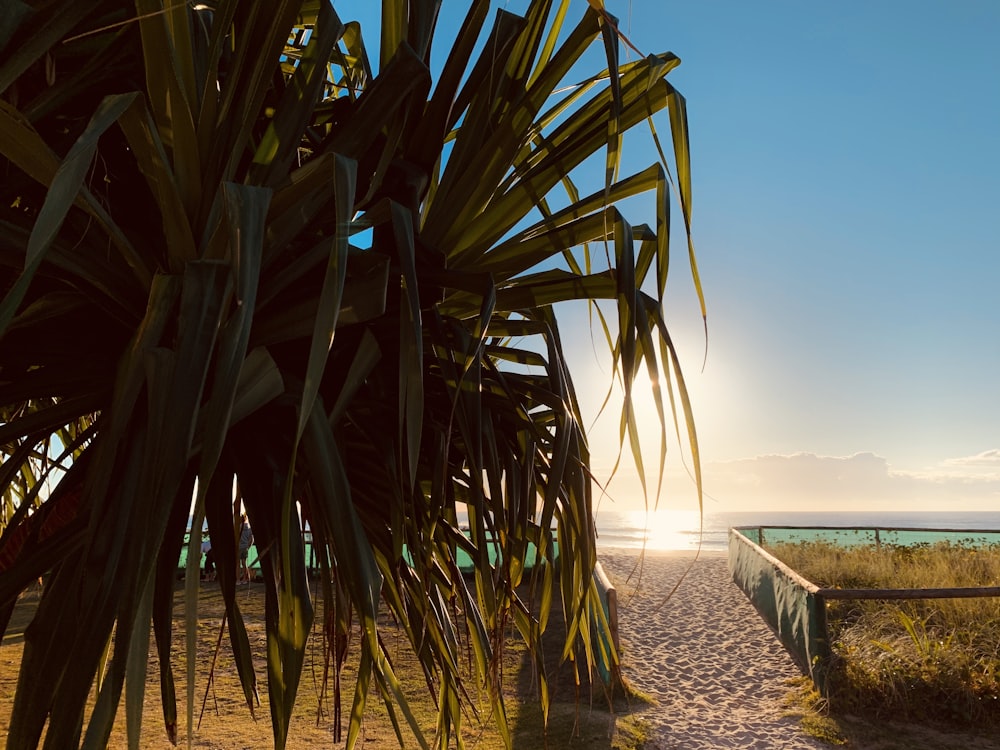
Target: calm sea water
x=680 y=529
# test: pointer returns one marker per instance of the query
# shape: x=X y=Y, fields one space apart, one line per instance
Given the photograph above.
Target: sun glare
x=670 y=529
x=653 y=530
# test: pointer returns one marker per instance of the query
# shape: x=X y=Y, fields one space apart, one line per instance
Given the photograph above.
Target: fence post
x=819 y=670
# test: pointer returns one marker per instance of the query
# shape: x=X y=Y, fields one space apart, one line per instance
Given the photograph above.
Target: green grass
x=930 y=660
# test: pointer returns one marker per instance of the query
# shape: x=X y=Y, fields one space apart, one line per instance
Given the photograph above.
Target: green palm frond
x=234 y=253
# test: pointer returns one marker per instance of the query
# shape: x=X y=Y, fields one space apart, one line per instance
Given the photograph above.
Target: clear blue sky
x=846 y=168
x=846 y=161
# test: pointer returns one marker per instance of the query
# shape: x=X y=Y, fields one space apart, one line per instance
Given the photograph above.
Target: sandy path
x=715 y=669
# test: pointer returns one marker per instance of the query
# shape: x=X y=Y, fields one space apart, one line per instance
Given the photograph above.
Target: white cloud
x=862 y=481
x=990 y=458
x=807 y=481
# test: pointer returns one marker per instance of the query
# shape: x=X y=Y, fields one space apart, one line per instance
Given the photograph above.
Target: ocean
x=667 y=529
x=680 y=529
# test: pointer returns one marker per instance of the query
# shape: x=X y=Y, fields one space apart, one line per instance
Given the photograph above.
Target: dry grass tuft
x=931 y=660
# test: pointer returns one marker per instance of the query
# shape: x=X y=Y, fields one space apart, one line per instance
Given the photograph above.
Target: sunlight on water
x=657 y=530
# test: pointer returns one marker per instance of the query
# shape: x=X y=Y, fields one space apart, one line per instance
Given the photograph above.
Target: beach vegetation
x=805 y=703
x=593 y=723
x=919 y=660
x=253 y=259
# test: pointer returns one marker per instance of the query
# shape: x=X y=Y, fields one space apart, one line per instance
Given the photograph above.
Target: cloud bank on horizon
x=862 y=481
x=804 y=481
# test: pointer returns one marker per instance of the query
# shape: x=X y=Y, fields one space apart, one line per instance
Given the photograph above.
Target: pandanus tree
x=242 y=266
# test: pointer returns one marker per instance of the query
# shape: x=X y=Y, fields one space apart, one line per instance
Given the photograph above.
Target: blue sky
x=846 y=172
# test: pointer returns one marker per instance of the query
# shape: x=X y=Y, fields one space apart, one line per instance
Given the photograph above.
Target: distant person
x=246 y=540
x=208 y=574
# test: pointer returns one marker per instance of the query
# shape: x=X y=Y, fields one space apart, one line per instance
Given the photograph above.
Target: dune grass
x=929 y=660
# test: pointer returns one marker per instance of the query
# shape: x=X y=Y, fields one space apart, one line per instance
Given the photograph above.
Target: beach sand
x=716 y=671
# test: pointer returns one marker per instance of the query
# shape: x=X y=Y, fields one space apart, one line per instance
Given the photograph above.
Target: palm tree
x=232 y=253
